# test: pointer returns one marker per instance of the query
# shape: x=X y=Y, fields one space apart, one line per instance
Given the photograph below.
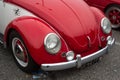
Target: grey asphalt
x=107 y=68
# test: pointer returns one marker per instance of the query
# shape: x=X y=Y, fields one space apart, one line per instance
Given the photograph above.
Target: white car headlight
x=106 y=25
x=52 y=43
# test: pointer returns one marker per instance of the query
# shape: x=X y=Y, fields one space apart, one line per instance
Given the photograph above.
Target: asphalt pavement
x=107 y=68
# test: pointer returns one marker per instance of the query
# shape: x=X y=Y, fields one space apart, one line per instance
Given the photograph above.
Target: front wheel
x=21 y=54
x=113 y=13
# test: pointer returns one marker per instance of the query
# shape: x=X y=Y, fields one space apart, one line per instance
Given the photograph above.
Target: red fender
x=99 y=15
x=33 y=31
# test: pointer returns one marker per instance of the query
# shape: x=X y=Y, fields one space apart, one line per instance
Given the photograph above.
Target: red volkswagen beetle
x=111 y=9
x=53 y=34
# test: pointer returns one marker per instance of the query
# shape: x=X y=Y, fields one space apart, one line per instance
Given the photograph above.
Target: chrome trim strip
x=89 y=41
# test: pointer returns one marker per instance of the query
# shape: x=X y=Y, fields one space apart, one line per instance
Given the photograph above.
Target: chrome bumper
x=79 y=60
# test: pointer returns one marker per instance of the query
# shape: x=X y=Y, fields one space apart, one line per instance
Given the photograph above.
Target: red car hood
x=72 y=19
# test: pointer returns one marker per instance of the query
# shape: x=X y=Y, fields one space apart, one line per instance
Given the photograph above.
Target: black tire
x=20 y=52
x=112 y=12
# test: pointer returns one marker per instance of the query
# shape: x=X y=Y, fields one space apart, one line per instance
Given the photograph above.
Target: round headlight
x=106 y=25
x=52 y=43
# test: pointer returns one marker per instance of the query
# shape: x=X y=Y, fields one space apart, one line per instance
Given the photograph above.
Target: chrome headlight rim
x=106 y=25
x=56 y=48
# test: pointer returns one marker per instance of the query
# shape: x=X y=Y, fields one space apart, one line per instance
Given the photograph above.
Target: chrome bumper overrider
x=79 y=60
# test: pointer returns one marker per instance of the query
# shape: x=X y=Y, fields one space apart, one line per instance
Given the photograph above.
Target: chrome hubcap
x=20 y=52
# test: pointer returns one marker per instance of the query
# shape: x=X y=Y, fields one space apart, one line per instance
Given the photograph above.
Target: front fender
x=33 y=31
x=99 y=15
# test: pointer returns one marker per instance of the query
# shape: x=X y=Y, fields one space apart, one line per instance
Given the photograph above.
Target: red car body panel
x=69 y=20
x=35 y=40
x=102 y=4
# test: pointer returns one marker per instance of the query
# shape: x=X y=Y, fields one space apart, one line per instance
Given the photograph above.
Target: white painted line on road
x=117 y=43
